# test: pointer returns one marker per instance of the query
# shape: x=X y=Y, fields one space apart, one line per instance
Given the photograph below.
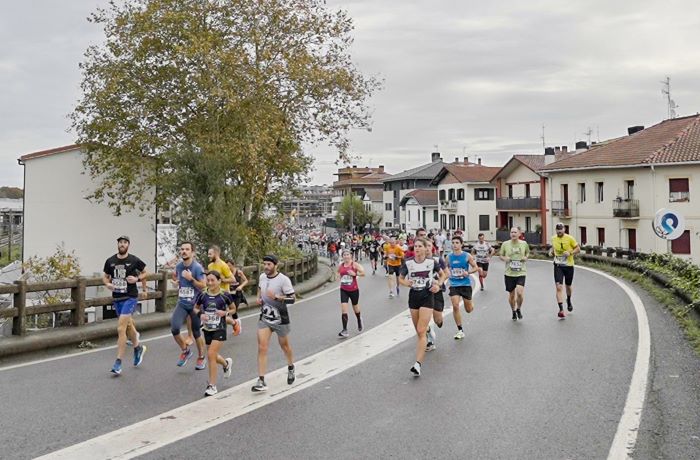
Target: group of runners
x=208 y=300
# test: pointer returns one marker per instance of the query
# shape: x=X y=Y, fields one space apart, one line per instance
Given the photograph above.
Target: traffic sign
x=668 y=224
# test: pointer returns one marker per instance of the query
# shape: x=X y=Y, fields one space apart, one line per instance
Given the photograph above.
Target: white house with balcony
x=421 y=210
x=467 y=199
x=608 y=195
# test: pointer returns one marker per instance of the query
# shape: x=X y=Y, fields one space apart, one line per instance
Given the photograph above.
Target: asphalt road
x=537 y=388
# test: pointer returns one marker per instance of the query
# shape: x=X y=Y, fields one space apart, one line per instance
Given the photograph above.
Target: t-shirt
x=482 y=251
x=118 y=269
x=274 y=311
x=566 y=243
x=516 y=252
x=221 y=267
x=394 y=255
x=421 y=273
x=374 y=247
x=187 y=291
x=209 y=305
x=459 y=269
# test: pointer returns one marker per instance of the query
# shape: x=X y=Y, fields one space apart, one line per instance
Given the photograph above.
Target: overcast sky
x=467 y=76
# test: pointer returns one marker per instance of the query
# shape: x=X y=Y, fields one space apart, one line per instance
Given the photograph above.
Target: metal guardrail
x=297 y=269
x=561 y=208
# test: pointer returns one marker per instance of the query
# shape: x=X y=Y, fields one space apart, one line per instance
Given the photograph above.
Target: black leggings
x=179 y=317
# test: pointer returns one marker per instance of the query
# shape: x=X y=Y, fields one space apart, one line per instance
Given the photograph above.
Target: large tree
x=209 y=102
x=352 y=214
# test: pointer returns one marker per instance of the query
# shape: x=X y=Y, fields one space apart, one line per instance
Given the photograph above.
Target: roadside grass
x=16 y=255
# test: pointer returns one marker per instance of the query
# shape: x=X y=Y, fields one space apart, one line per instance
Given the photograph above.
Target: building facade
x=421 y=210
x=356 y=181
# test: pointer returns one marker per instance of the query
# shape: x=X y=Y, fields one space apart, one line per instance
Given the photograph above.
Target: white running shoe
x=227 y=368
x=430 y=347
x=459 y=335
x=211 y=390
x=415 y=369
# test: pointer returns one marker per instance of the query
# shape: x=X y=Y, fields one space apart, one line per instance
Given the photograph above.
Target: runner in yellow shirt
x=218 y=265
x=564 y=247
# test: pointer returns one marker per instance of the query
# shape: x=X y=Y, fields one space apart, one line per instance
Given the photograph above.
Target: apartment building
x=356 y=181
x=421 y=210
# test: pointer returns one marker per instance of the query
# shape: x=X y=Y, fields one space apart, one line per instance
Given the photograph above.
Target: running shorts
x=125 y=306
x=439 y=301
x=393 y=270
x=564 y=274
x=461 y=291
x=512 y=281
x=219 y=334
x=352 y=296
x=422 y=298
x=282 y=330
x=374 y=255
x=483 y=265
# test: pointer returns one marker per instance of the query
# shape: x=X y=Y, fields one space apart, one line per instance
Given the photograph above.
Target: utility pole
x=542 y=137
x=9 y=240
x=666 y=91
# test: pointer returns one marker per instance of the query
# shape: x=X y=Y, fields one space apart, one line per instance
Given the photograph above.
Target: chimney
x=564 y=149
x=381 y=168
x=581 y=145
x=456 y=159
x=634 y=129
x=479 y=161
x=557 y=149
x=466 y=160
x=435 y=156
x=354 y=166
x=548 y=155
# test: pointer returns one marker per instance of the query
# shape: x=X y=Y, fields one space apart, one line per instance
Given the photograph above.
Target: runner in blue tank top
x=460 y=265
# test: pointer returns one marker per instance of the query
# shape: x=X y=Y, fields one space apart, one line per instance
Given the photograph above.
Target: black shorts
x=461 y=291
x=422 y=298
x=352 y=296
x=483 y=265
x=394 y=270
x=512 y=281
x=219 y=334
x=374 y=255
x=238 y=298
x=564 y=274
x=439 y=300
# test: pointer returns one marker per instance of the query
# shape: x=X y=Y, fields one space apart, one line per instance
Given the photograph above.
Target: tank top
x=459 y=269
x=347 y=282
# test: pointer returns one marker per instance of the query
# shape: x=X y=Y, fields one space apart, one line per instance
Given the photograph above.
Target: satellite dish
x=668 y=224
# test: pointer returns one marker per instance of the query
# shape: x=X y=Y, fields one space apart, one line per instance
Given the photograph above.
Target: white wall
x=475 y=208
x=388 y=216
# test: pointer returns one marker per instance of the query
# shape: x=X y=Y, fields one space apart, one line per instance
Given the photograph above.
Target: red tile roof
x=424 y=196
x=468 y=173
x=671 y=141
x=46 y=153
x=369 y=179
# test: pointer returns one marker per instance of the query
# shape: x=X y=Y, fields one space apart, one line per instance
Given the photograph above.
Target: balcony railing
x=507 y=204
x=450 y=205
x=530 y=237
x=561 y=208
x=626 y=208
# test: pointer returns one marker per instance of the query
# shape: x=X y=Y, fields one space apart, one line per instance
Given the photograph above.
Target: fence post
x=299 y=263
x=19 y=322
x=162 y=287
x=77 y=295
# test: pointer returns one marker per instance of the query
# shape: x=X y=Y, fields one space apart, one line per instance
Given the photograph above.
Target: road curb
x=11 y=346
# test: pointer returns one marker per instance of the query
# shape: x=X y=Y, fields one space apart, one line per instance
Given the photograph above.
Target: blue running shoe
x=184 y=356
x=138 y=354
x=117 y=368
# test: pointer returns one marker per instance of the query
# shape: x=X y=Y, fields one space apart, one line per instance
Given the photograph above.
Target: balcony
x=449 y=206
x=626 y=208
x=508 y=204
x=561 y=208
x=530 y=237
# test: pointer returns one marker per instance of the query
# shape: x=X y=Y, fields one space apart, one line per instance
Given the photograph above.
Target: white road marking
x=152 y=339
x=156 y=432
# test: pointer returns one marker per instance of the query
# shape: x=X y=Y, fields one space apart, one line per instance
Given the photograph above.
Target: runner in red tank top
x=349 y=270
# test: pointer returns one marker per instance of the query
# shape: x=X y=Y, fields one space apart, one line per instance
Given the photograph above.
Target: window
x=678 y=190
x=483 y=194
x=460 y=223
x=452 y=222
x=629 y=189
x=510 y=191
x=442 y=195
x=409 y=215
x=387 y=224
x=484 y=223
x=511 y=223
x=681 y=245
x=435 y=215
x=387 y=206
x=598 y=192
x=386 y=187
x=396 y=193
x=460 y=194
x=528 y=224
x=601 y=236
x=443 y=221
x=451 y=194
x=582 y=192
x=396 y=213
x=583 y=237
x=527 y=190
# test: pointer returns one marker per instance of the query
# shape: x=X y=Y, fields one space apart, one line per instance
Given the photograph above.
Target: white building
x=57 y=212
x=608 y=196
x=421 y=210
x=372 y=201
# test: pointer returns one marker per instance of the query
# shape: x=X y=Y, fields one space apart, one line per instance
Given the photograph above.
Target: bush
x=682 y=274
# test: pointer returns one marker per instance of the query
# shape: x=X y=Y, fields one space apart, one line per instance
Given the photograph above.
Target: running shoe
x=360 y=326
x=570 y=307
x=415 y=369
x=482 y=288
x=138 y=354
x=138 y=339
x=227 y=368
x=562 y=314
x=290 y=376
x=432 y=336
x=430 y=346
x=117 y=368
x=184 y=356
x=343 y=334
x=519 y=313
x=259 y=386
x=459 y=335
x=237 y=327
x=515 y=316
x=211 y=390
x=201 y=363
x=391 y=295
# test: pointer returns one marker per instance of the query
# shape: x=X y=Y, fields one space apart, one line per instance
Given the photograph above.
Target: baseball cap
x=124 y=237
x=270 y=258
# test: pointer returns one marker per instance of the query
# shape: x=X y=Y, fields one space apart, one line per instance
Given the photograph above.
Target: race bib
x=372 y=249
x=212 y=320
x=481 y=254
x=186 y=293
x=270 y=314
x=560 y=260
x=516 y=265
x=346 y=280
x=392 y=256
x=457 y=272
x=419 y=283
x=119 y=285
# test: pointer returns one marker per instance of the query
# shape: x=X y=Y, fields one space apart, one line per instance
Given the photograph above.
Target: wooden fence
x=298 y=270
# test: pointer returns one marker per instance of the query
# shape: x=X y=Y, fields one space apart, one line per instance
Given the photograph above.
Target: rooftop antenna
x=597 y=132
x=666 y=91
x=588 y=135
x=542 y=137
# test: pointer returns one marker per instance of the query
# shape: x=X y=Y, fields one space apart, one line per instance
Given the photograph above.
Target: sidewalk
x=74 y=335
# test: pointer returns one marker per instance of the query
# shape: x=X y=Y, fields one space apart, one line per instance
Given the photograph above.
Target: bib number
x=346 y=280
x=560 y=260
x=119 y=285
x=419 y=283
x=212 y=320
x=457 y=273
x=270 y=314
x=186 y=293
x=392 y=257
x=516 y=265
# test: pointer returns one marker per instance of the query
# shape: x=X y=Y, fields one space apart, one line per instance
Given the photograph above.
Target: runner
x=121 y=273
x=514 y=253
x=348 y=271
x=237 y=286
x=275 y=292
x=417 y=274
x=227 y=278
x=483 y=252
x=460 y=265
x=438 y=297
x=374 y=248
x=213 y=307
x=189 y=276
x=394 y=255
x=564 y=248
x=333 y=252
